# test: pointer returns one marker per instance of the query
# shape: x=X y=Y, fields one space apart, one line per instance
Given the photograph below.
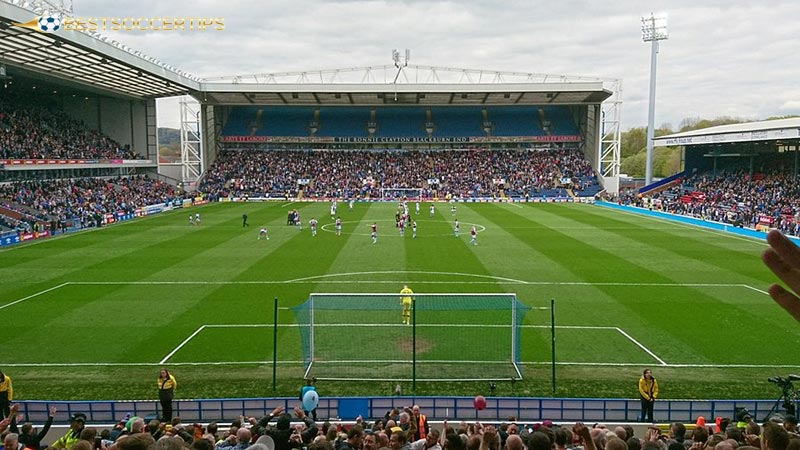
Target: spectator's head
x=621 y=433
x=397 y=440
x=383 y=440
x=700 y=435
x=677 y=431
x=432 y=437
x=137 y=426
x=284 y=421
x=562 y=437
x=634 y=443
x=454 y=442
x=88 y=434
x=514 y=442
x=734 y=433
x=11 y=441
x=370 y=442
x=243 y=435
x=415 y=408
x=615 y=443
x=138 y=441
x=474 y=442
x=538 y=441
x=77 y=421
x=167 y=442
x=790 y=423
x=775 y=437
x=752 y=428
x=354 y=435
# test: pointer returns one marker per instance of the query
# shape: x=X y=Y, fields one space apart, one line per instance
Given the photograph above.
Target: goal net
x=401 y=193
x=451 y=337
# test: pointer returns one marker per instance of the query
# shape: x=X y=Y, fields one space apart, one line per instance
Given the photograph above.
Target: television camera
x=789 y=395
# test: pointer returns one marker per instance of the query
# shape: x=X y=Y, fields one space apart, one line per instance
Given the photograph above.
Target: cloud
x=722 y=57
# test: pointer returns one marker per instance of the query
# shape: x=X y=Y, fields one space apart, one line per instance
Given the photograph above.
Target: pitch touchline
x=296 y=362
x=311 y=280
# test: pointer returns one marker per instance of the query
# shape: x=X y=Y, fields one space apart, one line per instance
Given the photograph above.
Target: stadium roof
x=414 y=84
x=768 y=130
x=85 y=59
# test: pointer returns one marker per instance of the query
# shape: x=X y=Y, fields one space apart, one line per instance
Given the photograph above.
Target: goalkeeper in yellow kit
x=407 y=301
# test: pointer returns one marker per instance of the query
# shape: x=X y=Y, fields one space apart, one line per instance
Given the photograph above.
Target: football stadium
x=364 y=239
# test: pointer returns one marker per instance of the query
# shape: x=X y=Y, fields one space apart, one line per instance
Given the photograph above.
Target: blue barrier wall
x=525 y=409
x=719 y=226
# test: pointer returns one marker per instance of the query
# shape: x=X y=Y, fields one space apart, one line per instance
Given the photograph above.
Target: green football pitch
x=94 y=315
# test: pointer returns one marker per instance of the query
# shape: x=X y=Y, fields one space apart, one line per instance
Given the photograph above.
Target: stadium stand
x=76 y=203
x=462 y=173
x=33 y=132
x=766 y=199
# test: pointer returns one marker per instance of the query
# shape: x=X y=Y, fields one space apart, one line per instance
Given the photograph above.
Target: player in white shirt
x=433 y=209
x=457 y=228
x=474 y=233
x=313 y=224
x=352 y=203
x=414 y=228
x=453 y=209
x=417 y=207
x=338 y=226
x=263 y=233
x=197 y=219
x=333 y=209
x=191 y=219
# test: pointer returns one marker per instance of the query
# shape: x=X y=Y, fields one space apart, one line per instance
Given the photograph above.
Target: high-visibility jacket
x=5 y=386
x=648 y=389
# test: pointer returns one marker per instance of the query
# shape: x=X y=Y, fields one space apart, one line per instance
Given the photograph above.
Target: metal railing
x=524 y=409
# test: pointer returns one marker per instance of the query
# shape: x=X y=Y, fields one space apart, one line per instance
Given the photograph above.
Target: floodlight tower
x=654 y=29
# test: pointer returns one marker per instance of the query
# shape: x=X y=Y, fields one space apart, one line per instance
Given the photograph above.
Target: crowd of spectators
x=77 y=203
x=460 y=173
x=35 y=132
x=406 y=430
x=771 y=199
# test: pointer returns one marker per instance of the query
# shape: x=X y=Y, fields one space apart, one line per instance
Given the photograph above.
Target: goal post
x=400 y=193
x=452 y=337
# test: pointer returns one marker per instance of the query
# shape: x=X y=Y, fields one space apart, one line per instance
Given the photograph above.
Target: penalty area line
x=34 y=295
x=647 y=350
x=185 y=341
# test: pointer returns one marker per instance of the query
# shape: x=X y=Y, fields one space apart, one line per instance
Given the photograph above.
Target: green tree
x=633 y=141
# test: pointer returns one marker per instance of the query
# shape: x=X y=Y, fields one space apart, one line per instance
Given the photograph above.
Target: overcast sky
x=731 y=57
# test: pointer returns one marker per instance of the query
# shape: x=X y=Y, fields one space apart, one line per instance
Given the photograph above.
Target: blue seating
x=400 y=122
x=343 y=121
x=457 y=121
x=515 y=121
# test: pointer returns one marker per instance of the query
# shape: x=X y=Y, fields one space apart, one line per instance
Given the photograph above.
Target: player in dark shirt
x=244 y=221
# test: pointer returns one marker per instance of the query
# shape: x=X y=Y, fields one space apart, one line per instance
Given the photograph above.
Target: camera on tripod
x=789 y=394
x=785 y=383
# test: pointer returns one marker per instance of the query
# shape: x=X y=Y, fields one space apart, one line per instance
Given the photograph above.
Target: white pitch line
x=94 y=364
x=295 y=362
x=514 y=204
x=34 y=295
x=316 y=279
x=755 y=289
x=661 y=361
x=423 y=272
x=185 y=341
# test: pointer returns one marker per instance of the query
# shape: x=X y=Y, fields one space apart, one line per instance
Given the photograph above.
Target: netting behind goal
x=451 y=337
